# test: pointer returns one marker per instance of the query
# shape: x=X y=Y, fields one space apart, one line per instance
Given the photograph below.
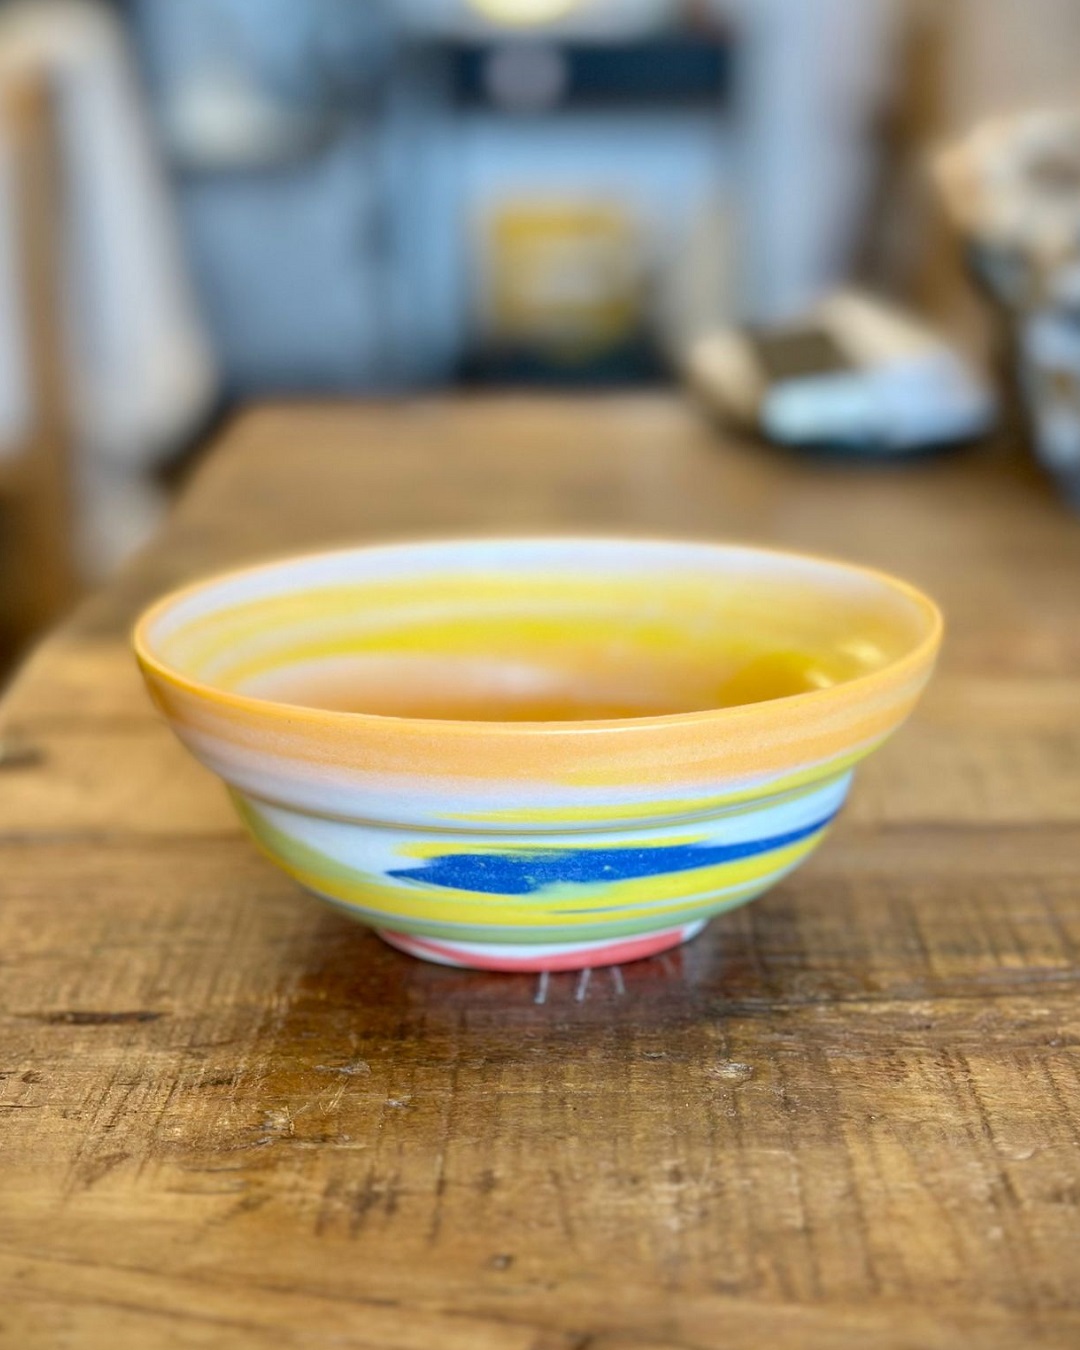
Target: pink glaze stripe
x=612 y=954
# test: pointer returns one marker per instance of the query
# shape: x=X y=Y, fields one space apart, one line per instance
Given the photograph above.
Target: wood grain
x=848 y=1115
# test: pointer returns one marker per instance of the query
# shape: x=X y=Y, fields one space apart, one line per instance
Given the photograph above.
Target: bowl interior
x=542 y=630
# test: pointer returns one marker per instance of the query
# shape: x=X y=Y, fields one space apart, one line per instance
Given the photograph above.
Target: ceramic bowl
x=538 y=754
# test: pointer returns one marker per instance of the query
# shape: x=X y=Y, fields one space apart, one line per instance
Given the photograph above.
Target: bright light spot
x=522 y=13
x=867 y=654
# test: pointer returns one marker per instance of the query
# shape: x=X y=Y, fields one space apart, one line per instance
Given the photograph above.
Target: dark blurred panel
x=667 y=71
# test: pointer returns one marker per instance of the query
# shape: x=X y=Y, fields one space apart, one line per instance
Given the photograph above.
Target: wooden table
x=847 y=1116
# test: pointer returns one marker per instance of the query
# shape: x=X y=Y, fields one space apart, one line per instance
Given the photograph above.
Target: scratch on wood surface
x=352 y=1069
x=334 y=1104
x=731 y=1071
x=446 y=1134
x=1066 y=1105
x=562 y=1207
x=279 y=1122
x=154 y=1132
x=103 y=1113
x=91 y=1170
x=249 y=1203
x=372 y=1192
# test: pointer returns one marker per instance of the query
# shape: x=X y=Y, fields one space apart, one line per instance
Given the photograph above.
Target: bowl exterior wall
x=537 y=888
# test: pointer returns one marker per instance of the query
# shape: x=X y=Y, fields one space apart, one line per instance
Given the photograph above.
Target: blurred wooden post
x=40 y=577
x=912 y=250
x=940 y=284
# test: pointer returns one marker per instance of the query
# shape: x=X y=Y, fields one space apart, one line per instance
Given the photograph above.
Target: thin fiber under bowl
x=538 y=754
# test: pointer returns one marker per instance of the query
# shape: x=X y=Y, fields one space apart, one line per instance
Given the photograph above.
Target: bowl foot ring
x=536 y=957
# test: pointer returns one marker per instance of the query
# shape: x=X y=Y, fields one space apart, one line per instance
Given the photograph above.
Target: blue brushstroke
x=524 y=872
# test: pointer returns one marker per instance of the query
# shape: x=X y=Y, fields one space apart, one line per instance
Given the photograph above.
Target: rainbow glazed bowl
x=538 y=754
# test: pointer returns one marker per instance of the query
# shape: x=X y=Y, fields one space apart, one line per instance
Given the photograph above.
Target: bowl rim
x=918 y=658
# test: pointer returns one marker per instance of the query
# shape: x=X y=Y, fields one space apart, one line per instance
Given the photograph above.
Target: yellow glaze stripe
x=481 y=612
x=567 y=905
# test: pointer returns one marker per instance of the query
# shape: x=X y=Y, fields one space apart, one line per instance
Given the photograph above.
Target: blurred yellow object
x=564 y=275
x=524 y=12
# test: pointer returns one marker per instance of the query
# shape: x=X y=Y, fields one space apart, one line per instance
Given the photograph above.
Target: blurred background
x=208 y=202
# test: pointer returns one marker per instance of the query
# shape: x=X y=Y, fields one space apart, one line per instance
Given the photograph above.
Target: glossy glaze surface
x=530 y=751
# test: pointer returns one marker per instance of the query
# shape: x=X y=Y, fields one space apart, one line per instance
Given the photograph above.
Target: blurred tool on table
x=855 y=376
